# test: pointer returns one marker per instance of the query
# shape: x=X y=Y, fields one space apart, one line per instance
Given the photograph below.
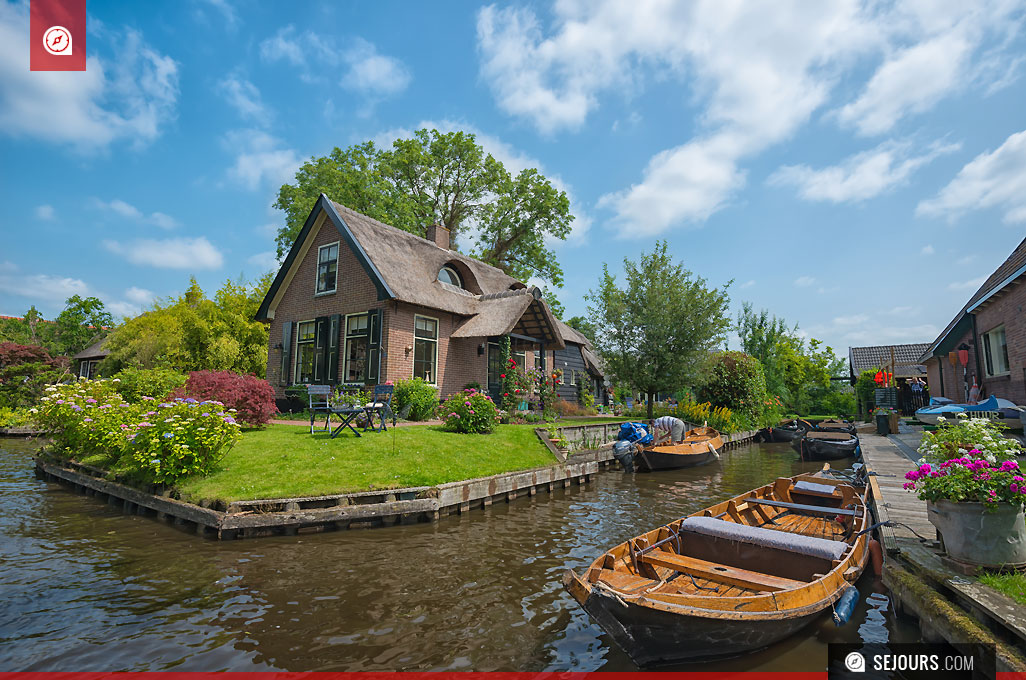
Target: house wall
x=458 y=360
x=1007 y=310
x=570 y=359
x=354 y=293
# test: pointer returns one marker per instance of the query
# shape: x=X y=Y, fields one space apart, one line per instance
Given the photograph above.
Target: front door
x=494 y=386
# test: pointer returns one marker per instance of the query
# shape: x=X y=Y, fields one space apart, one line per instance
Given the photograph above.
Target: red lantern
x=879 y=378
x=963 y=357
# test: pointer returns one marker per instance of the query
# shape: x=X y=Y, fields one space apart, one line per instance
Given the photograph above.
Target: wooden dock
x=891 y=501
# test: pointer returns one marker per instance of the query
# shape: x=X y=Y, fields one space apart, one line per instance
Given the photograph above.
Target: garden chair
x=320 y=397
x=380 y=405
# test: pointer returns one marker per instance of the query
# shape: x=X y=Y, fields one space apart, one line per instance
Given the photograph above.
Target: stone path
x=884 y=457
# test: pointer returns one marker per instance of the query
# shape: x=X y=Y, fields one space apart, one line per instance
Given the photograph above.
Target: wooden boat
x=735 y=577
x=700 y=446
x=834 y=425
x=784 y=431
x=817 y=445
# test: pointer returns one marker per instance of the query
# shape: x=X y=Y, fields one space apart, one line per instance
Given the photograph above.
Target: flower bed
x=469 y=412
x=150 y=441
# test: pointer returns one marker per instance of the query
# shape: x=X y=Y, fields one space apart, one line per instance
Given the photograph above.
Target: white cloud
x=174 y=253
x=43 y=288
x=285 y=46
x=758 y=73
x=853 y=320
x=139 y=296
x=131 y=96
x=991 y=180
x=967 y=286
x=226 y=10
x=804 y=281
x=245 y=98
x=266 y=261
x=130 y=212
x=861 y=176
x=372 y=73
x=927 y=250
x=45 y=212
x=260 y=159
x=747 y=284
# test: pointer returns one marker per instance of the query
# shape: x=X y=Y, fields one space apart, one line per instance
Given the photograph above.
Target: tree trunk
x=651 y=402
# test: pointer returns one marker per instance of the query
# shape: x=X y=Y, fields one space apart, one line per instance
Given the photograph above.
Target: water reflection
x=84 y=587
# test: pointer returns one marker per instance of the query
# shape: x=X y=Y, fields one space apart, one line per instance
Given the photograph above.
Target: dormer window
x=449 y=275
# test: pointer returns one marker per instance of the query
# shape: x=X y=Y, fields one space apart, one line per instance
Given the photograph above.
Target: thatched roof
x=94 y=351
x=405 y=267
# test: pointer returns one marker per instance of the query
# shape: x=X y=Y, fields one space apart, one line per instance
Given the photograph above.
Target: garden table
x=348 y=414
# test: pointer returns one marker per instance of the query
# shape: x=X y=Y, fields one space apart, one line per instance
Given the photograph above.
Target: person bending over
x=668 y=426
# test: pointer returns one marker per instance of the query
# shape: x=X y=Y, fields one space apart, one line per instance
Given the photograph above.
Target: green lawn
x=1012 y=585
x=287 y=461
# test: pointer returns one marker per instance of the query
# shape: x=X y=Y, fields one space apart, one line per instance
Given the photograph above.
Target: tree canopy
x=443 y=178
x=656 y=332
x=194 y=333
x=83 y=321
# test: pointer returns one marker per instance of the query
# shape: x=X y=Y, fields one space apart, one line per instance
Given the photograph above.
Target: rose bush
x=969 y=479
x=470 y=412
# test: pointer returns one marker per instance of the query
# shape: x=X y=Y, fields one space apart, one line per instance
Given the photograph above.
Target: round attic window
x=451 y=276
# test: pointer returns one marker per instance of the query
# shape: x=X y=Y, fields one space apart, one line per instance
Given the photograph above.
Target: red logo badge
x=58 y=35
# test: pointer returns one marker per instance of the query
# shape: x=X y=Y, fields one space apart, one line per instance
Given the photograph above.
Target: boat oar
x=712 y=448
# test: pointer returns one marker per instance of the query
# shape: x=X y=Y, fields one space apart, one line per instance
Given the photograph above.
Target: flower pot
x=883 y=425
x=972 y=534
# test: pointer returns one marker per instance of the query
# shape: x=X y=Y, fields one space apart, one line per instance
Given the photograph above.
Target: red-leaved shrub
x=250 y=396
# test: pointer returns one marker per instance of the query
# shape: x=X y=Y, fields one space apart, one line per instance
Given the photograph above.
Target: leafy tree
x=553 y=302
x=736 y=380
x=193 y=333
x=443 y=178
x=656 y=333
x=25 y=371
x=83 y=322
x=760 y=334
x=582 y=326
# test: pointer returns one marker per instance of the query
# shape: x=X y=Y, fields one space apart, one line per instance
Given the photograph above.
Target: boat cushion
x=813 y=487
x=770 y=538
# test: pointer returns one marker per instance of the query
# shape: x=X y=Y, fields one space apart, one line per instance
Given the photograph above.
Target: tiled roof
x=906 y=358
x=1014 y=262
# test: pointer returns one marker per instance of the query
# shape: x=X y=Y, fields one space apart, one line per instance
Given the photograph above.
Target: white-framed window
x=87 y=369
x=573 y=377
x=327 y=268
x=357 y=340
x=425 y=348
x=306 y=352
x=448 y=274
x=995 y=352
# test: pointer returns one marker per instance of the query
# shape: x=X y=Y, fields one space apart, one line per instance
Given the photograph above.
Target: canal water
x=85 y=588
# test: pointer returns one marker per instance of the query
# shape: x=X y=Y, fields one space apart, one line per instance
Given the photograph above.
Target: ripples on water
x=86 y=588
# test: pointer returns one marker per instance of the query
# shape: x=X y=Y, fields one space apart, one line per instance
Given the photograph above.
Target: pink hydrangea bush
x=969 y=479
x=470 y=412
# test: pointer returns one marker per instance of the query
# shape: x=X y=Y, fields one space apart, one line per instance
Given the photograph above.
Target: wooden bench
x=818 y=510
x=717 y=572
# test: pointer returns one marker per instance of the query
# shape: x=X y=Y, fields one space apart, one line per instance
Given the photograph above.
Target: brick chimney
x=438 y=235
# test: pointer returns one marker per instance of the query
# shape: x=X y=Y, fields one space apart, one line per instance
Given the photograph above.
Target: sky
x=857 y=168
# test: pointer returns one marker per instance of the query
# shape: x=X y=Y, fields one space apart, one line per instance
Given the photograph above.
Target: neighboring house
x=906 y=360
x=89 y=359
x=360 y=302
x=990 y=330
x=580 y=365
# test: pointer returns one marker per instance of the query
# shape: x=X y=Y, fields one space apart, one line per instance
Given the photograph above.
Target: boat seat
x=820 y=510
x=781 y=540
x=713 y=571
x=812 y=487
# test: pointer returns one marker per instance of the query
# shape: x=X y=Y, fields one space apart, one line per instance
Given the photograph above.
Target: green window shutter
x=333 y=353
x=374 y=346
x=286 y=354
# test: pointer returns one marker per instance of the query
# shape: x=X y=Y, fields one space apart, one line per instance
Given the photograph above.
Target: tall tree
x=83 y=322
x=657 y=331
x=444 y=178
x=192 y=332
x=760 y=335
x=582 y=326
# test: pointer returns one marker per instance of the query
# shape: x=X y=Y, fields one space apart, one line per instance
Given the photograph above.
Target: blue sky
x=857 y=168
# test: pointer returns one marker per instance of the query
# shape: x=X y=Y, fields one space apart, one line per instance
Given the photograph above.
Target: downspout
x=976 y=354
x=545 y=375
x=940 y=373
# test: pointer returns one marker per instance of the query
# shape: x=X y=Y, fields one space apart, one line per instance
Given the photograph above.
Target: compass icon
x=57 y=41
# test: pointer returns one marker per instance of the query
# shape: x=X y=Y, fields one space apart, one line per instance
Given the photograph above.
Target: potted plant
x=975 y=493
x=883 y=416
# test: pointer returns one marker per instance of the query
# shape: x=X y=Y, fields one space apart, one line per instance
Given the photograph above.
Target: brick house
x=990 y=331
x=359 y=302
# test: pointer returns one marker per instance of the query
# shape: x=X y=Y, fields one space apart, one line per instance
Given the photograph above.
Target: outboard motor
x=623 y=451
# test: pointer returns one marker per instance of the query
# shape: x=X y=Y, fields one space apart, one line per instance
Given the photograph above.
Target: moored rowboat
x=700 y=446
x=784 y=431
x=732 y=578
x=826 y=445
